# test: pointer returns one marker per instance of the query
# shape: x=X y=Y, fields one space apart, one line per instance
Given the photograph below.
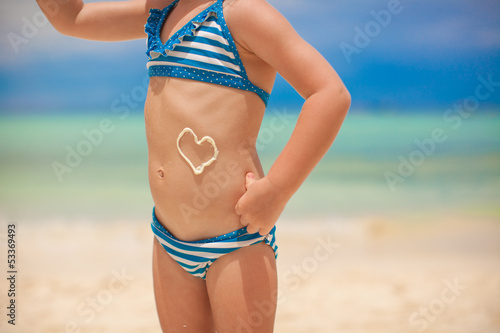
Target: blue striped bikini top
x=202 y=50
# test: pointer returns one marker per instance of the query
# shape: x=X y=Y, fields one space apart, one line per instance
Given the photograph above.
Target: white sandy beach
x=368 y=275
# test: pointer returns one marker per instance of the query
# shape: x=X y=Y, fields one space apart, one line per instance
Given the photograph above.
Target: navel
x=161 y=174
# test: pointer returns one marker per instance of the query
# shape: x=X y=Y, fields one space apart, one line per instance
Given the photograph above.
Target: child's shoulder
x=155 y=4
x=246 y=7
x=254 y=20
x=248 y=15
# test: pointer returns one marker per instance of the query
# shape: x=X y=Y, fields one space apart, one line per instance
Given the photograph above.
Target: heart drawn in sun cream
x=199 y=169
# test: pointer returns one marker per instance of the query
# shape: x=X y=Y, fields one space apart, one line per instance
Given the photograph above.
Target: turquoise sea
x=453 y=169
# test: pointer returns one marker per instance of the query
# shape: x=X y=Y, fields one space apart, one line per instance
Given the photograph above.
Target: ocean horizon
x=406 y=166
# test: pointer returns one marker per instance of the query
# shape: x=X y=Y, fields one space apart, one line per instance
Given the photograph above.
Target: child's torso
x=201 y=206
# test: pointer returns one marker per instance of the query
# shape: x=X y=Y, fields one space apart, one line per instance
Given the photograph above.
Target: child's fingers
x=252 y=229
x=264 y=232
x=250 y=178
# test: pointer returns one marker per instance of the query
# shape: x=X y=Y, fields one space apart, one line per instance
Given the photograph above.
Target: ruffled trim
x=155 y=21
x=151 y=27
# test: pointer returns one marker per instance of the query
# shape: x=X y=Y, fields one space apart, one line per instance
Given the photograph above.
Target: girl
x=212 y=65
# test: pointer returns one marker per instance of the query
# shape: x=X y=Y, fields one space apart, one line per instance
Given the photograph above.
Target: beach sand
x=369 y=274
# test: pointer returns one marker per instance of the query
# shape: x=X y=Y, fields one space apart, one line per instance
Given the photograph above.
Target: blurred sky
x=426 y=56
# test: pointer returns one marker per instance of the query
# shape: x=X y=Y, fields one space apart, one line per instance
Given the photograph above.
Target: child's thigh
x=181 y=299
x=242 y=287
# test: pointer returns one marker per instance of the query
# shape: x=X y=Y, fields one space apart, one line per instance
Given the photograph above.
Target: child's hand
x=260 y=206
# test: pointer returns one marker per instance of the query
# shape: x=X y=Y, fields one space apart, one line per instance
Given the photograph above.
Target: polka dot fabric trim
x=206 y=76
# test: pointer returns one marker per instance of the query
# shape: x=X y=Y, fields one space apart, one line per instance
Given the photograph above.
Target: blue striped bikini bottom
x=197 y=256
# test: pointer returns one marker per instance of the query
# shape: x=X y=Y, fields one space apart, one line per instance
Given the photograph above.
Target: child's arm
x=267 y=33
x=104 y=21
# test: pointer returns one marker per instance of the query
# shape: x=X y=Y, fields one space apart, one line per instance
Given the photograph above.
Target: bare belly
x=199 y=206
